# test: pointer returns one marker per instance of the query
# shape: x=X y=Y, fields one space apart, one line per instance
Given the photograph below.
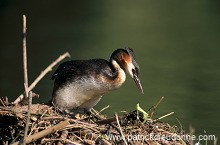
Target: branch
x=152 y=113
x=26 y=77
x=28 y=116
x=122 y=135
x=163 y=116
x=25 y=55
x=45 y=132
x=43 y=73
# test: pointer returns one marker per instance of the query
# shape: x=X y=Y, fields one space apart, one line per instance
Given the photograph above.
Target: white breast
x=86 y=92
x=79 y=94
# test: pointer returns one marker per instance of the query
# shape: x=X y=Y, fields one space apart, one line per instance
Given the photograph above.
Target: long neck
x=119 y=75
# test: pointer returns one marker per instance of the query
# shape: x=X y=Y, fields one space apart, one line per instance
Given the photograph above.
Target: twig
x=181 y=127
x=152 y=113
x=164 y=116
x=28 y=115
x=26 y=77
x=108 y=120
x=43 y=73
x=123 y=137
x=35 y=123
x=25 y=55
x=103 y=109
x=4 y=112
x=3 y=103
x=63 y=136
x=96 y=114
x=45 y=140
x=52 y=117
x=7 y=109
x=45 y=132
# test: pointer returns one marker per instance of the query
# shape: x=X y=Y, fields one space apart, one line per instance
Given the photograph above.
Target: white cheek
x=129 y=69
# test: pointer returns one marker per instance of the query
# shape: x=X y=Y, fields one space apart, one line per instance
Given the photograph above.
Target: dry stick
x=63 y=136
x=4 y=112
x=108 y=120
x=35 y=123
x=43 y=73
x=152 y=113
x=26 y=77
x=28 y=115
x=25 y=54
x=2 y=102
x=45 y=132
x=67 y=141
x=103 y=109
x=123 y=137
x=181 y=127
x=163 y=116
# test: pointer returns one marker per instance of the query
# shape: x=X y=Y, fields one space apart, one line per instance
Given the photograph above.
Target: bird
x=80 y=84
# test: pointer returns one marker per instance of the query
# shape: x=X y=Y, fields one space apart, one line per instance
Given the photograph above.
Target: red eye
x=133 y=71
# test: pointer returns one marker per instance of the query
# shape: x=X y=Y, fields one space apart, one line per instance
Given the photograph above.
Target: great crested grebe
x=80 y=84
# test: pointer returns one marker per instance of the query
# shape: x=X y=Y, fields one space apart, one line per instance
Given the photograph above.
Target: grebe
x=80 y=84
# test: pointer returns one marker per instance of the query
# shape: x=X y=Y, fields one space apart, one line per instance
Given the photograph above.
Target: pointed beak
x=137 y=82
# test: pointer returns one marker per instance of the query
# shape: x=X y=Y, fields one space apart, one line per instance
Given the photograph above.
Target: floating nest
x=47 y=126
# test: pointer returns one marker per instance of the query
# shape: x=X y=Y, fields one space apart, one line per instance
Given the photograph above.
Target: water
x=176 y=44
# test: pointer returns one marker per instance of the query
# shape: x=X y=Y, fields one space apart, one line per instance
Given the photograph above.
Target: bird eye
x=133 y=71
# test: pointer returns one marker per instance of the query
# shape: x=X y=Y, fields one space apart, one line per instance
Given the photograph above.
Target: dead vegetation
x=47 y=126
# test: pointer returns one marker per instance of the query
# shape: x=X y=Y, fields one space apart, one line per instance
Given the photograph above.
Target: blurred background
x=176 y=44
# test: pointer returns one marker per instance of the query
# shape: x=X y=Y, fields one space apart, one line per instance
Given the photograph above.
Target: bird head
x=127 y=61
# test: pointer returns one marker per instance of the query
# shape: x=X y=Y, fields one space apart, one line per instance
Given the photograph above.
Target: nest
x=47 y=126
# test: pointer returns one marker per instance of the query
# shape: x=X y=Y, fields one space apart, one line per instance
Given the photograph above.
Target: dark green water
x=176 y=44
